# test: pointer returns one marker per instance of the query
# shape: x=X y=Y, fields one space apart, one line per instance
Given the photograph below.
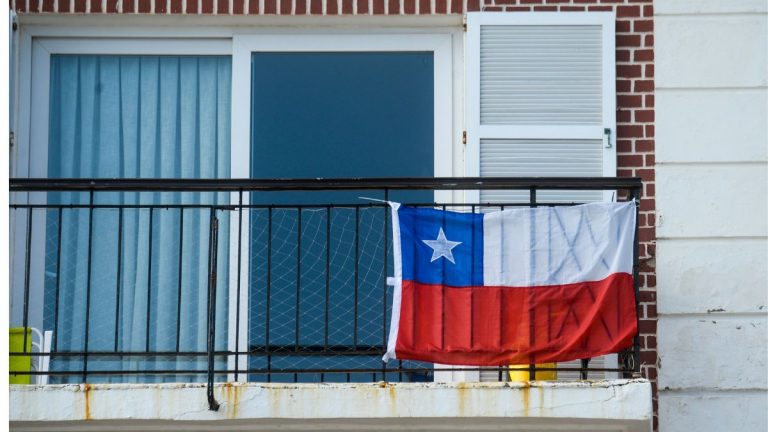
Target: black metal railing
x=151 y=280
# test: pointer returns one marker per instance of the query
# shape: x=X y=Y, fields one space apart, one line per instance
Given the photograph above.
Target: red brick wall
x=634 y=85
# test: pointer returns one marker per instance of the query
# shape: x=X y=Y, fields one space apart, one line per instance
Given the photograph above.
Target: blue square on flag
x=441 y=247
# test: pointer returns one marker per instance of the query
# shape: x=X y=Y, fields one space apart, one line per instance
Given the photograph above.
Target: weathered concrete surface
x=621 y=405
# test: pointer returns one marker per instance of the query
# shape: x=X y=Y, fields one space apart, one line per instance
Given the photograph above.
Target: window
x=195 y=107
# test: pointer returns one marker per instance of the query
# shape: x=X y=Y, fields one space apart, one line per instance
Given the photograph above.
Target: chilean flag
x=529 y=285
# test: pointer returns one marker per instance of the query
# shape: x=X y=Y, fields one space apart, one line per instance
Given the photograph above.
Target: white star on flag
x=441 y=247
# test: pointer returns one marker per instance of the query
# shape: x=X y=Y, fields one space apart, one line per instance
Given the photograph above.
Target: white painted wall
x=712 y=194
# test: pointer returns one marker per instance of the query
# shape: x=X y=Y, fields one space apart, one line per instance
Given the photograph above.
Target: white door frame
x=441 y=45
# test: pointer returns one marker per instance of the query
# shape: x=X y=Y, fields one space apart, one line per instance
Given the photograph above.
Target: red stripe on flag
x=516 y=325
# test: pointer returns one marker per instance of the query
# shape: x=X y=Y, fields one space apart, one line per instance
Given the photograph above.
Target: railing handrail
x=327 y=184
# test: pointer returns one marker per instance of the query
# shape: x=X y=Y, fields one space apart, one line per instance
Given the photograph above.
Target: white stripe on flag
x=557 y=245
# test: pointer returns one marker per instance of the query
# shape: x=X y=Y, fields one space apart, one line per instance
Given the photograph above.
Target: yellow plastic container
x=20 y=363
x=520 y=373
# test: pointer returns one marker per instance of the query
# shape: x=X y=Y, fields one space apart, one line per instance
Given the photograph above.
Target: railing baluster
x=532 y=323
x=88 y=286
x=58 y=283
x=269 y=285
x=357 y=272
x=180 y=284
x=213 y=237
x=384 y=291
x=149 y=279
x=327 y=271
x=239 y=264
x=297 y=318
x=27 y=276
x=118 y=280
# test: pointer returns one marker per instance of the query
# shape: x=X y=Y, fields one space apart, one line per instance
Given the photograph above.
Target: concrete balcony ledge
x=616 y=405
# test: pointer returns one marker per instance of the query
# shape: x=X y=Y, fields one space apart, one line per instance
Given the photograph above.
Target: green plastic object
x=20 y=363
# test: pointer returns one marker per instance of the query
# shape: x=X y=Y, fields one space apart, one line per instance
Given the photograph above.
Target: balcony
x=218 y=291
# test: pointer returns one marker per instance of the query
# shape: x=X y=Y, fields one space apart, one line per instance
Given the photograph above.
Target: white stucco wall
x=712 y=193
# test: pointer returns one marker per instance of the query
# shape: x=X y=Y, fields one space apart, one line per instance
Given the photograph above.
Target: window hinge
x=464 y=137
x=607 y=132
x=11 y=139
x=464 y=23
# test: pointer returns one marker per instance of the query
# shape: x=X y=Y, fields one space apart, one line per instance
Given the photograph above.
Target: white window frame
x=30 y=155
x=477 y=131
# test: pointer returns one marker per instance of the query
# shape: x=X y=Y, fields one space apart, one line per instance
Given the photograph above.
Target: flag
x=528 y=285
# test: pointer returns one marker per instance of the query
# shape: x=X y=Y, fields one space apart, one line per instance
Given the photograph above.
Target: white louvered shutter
x=541 y=103
x=541 y=99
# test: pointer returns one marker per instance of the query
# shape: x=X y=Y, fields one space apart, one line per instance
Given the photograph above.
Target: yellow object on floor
x=522 y=372
x=20 y=363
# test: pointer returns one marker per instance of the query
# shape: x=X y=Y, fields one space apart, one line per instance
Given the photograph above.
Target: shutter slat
x=538 y=158
x=541 y=75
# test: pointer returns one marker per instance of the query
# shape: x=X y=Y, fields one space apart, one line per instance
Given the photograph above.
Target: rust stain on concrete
x=87 y=396
x=232 y=399
x=526 y=389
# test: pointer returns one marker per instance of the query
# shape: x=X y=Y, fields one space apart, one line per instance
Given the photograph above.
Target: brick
x=65 y=4
x=642 y=25
x=628 y=71
x=650 y=190
x=441 y=6
x=605 y=8
x=623 y=26
x=644 y=86
x=647 y=233
x=206 y=6
x=647 y=174
x=192 y=6
x=473 y=5
x=456 y=6
x=644 y=146
x=629 y=101
x=531 y=1
x=631 y=40
x=623 y=86
x=545 y=8
x=648 y=42
x=79 y=5
x=316 y=7
x=378 y=7
x=623 y=116
x=628 y=11
x=222 y=6
x=556 y=1
x=644 y=55
x=634 y=160
x=629 y=131
x=644 y=116
x=572 y=8
x=650 y=131
x=394 y=7
x=623 y=146
x=516 y=8
x=649 y=101
x=647 y=326
x=648 y=11
x=622 y=55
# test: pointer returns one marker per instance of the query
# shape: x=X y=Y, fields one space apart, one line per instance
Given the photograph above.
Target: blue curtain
x=139 y=276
